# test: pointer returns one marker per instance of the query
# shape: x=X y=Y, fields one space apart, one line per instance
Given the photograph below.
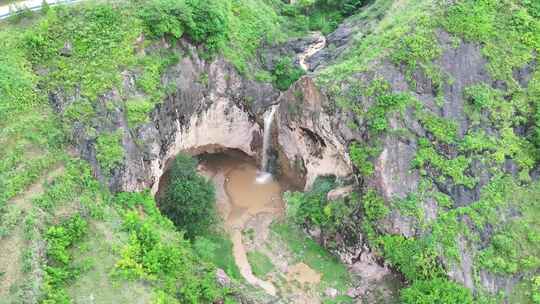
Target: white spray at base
x=264 y=176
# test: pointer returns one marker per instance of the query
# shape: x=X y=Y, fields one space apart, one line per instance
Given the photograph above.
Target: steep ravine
x=213 y=109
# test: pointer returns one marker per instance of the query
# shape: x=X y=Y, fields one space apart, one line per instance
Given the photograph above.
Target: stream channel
x=239 y=198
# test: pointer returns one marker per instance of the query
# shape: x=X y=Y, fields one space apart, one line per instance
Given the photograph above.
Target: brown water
x=239 y=198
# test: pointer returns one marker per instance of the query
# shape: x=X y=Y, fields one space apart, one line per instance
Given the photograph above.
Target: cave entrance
x=234 y=175
x=241 y=202
x=238 y=195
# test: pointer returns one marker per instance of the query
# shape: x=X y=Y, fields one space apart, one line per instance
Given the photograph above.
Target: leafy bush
x=385 y=103
x=59 y=270
x=206 y=22
x=137 y=111
x=210 y=22
x=170 y=263
x=536 y=286
x=308 y=208
x=285 y=73
x=418 y=49
x=60 y=238
x=413 y=257
x=321 y=15
x=360 y=155
x=436 y=291
x=444 y=130
x=453 y=167
x=189 y=199
x=166 y=17
x=109 y=151
x=312 y=209
x=374 y=206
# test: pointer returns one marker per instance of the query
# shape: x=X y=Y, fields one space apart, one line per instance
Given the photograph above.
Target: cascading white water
x=264 y=176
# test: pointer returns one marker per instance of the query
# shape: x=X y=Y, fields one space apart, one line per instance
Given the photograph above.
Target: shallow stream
x=240 y=198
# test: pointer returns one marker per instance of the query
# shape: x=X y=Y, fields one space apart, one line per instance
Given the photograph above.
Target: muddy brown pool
x=240 y=197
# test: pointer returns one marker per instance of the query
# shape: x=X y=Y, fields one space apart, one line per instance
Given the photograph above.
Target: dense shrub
x=436 y=291
x=285 y=73
x=374 y=206
x=189 y=199
x=60 y=238
x=210 y=22
x=345 y=7
x=321 y=15
x=59 y=271
x=308 y=208
x=360 y=156
x=413 y=257
x=171 y=263
x=312 y=209
x=205 y=22
x=166 y=17
x=109 y=151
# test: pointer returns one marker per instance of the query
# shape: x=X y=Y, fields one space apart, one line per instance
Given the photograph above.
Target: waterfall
x=264 y=176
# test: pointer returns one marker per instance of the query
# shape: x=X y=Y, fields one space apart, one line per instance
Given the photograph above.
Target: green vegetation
x=509 y=36
x=454 y=167
x=443 y=130
x=385 y=104
x=137 y=111
x=158 y=254
x=189 y=199
x=217 y=249
x=374 y=206
x=80 y=56
x=109 y=151
x=334 y=273
x=360 y=156
x=71 y=42
x=320 y=15
x=261 y=264
x=165 y=17
x=285 y=73
x=436 y=291
x=514 y=246
x=58 y=271
x=414 y=258
x=313 y=210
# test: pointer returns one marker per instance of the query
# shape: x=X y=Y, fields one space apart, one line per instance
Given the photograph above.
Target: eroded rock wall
x=307 y=139
x=211 y=108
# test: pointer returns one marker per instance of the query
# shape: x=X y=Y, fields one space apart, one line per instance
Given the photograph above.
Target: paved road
x=34 y=5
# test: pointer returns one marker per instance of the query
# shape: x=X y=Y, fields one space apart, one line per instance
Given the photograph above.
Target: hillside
x=403 y=137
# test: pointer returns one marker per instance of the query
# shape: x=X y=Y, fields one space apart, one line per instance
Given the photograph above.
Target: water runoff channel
x=245 y=192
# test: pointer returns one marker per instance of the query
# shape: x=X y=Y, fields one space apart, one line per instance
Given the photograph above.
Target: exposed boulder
x=222 y=278
x=340 y=193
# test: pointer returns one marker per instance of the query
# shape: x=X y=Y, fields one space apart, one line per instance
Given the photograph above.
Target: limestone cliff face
x=308 y=140
x=212 y=108
x=313 y=135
